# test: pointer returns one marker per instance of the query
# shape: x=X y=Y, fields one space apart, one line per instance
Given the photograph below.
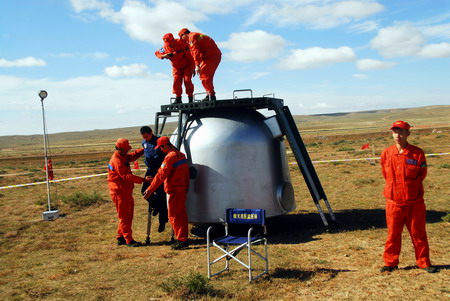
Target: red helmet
x=123 y=143
x=183 y=31
x=162 y=141
x=401 y=125
x=168 y=37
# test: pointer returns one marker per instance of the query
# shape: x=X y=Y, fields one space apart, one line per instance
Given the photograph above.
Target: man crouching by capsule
x=174 y=173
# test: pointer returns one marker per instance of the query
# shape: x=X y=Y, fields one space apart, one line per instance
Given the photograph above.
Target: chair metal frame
x=233 y=216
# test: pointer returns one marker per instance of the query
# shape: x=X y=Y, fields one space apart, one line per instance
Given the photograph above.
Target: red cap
x=162 y=141
x=182 y=32
x=167 y=38
x=401 y=125
x=123 y=143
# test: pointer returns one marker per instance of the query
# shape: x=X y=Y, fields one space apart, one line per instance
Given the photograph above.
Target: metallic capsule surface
x=237 y=161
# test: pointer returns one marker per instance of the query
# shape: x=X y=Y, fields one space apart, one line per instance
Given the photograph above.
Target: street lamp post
x=50 y=214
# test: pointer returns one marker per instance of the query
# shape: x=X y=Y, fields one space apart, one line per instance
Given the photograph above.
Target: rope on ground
x=103 y=174
x=53 y=181
x=365 y=159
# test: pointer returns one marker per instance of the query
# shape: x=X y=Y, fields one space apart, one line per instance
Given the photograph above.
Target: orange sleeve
x=123 y=172
x=194 y=46
x=423 y=167
x=135 y=155
x=383 y=162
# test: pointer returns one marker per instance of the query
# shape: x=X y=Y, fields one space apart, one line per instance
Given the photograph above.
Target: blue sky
x=96 y=58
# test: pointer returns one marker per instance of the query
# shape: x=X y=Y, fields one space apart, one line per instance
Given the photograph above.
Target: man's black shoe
x=161 y=227
x=179 y=245
x=388 y=269
x=191 y=98
x=431 y=269
x=177 y=99
x=121 y=241
x=134 y=243
x=209 y=97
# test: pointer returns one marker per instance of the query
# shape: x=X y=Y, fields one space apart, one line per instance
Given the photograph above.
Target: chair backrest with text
x=246 y=216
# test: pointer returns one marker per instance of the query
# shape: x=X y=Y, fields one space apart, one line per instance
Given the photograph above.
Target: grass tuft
x=189 y=287
x=81 y=199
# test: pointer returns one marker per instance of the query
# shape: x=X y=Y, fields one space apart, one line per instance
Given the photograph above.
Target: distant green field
x=355 y=122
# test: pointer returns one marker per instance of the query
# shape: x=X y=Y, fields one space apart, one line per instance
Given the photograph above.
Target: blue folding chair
x=231 y=245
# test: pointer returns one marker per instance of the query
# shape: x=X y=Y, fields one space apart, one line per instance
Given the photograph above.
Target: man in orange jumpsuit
x=121 y=183
x=206 y=56
x=183 y=68
x=404 y=169
x=174 y=172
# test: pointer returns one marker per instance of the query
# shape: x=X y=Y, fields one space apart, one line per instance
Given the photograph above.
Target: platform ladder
x=182 y=116
x=289 y=129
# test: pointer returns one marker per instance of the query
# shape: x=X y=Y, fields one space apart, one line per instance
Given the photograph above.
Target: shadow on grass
x=298 y=228
x=304 y=275
x=414 y=267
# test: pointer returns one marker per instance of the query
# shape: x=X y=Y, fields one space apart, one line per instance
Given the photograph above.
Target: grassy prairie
x=75 y=257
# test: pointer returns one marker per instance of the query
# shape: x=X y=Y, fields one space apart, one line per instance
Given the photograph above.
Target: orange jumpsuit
x=405 y=204
x=121 y=183
x=174 y=172
x=207 y=56
x=182 y=66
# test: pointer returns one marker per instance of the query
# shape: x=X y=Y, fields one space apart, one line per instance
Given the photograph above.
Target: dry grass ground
x=75 y=257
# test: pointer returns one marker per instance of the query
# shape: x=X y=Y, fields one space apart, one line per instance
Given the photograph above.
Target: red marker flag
x=365 y=146
x=136 y=164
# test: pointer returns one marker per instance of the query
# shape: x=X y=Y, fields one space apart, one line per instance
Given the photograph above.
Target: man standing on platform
x=207 y=57
x=183 y=68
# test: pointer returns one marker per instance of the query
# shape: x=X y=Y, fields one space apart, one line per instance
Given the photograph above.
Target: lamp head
x=43 y=94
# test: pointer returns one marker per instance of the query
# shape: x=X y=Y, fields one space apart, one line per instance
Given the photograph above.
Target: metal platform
x=251 y=103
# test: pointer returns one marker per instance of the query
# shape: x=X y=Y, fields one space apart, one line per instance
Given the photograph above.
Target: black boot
x=177 y=99
x=191 y=98
x=209 y=97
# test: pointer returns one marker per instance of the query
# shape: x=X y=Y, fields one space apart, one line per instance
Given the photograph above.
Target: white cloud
x=81 y=5
x=94 y=55
x=367 y=26
x=398 y=40
x=217 y=6
x=317 y=14
x=435 y=50
x=145 y=23
x=316 y=57
x=28 y=61
x=442 y=30
x=404 y=39
x=253 y=46
x=370 y=64
x=360 y=76
x=126 y=71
